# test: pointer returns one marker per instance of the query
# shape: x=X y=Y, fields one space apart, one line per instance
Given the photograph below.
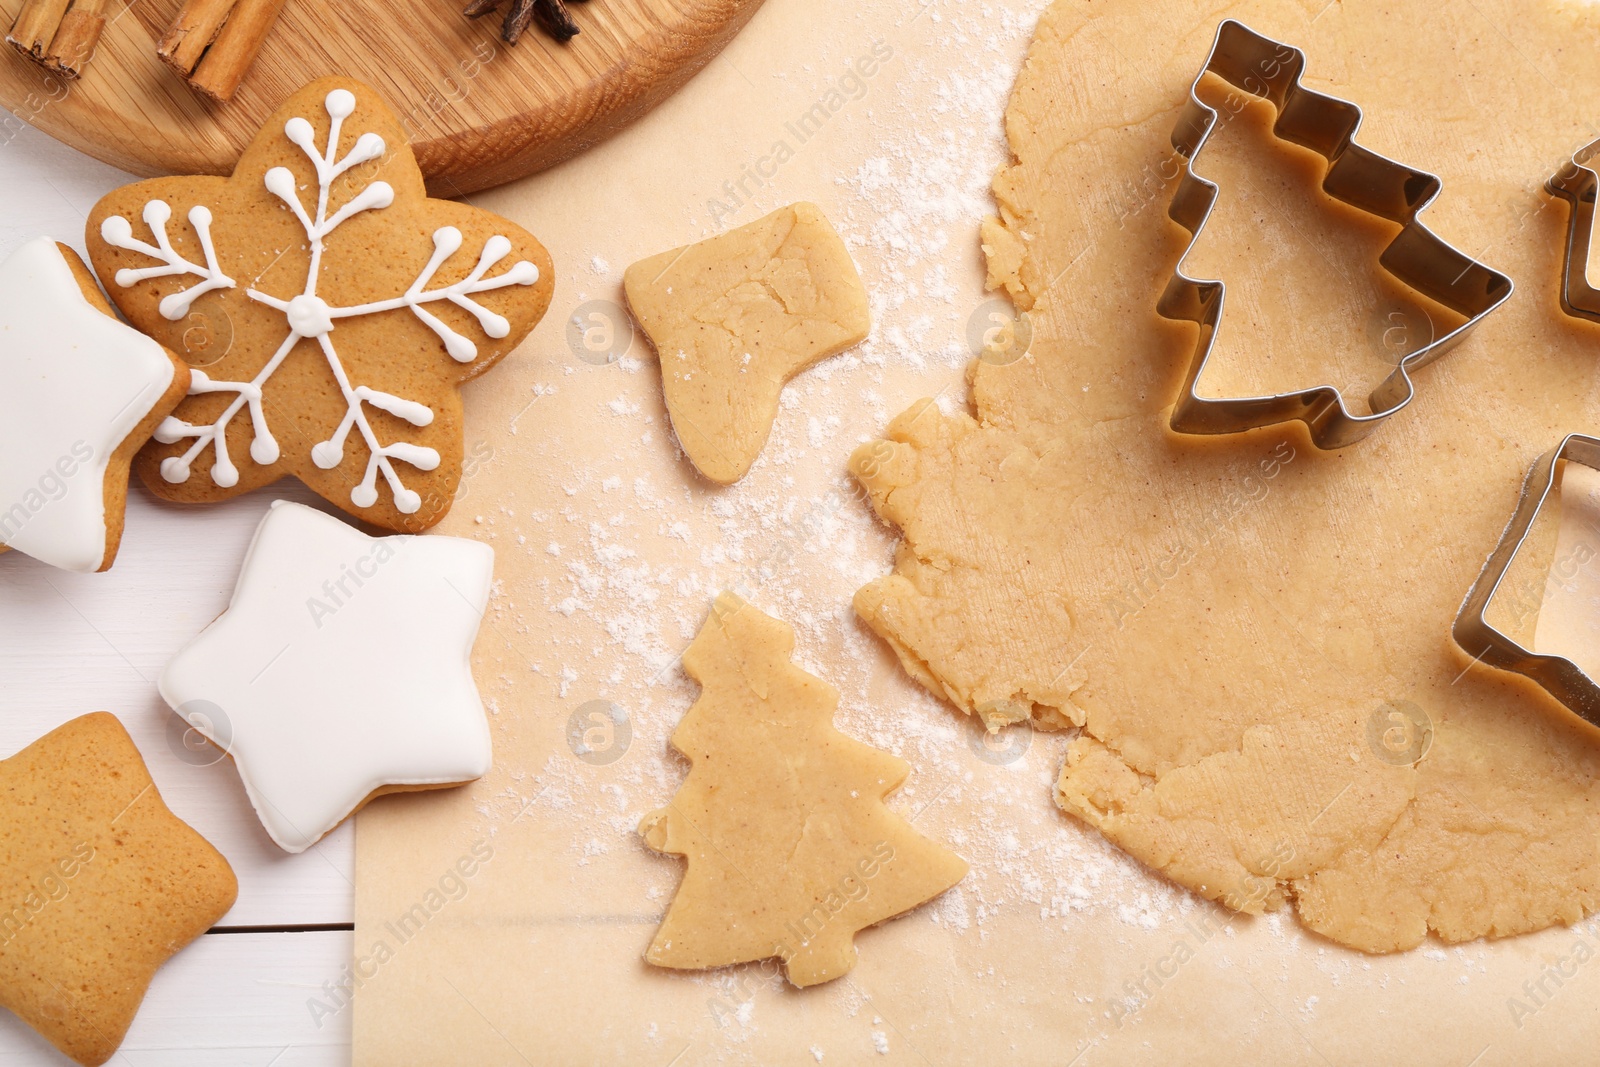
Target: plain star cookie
x=341 y=309
x=791 y=849
x=102 y=884
x=341 y=670
x=79 y=393
x=736 y=316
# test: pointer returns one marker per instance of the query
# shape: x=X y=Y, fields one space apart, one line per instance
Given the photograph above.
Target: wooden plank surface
x=479 y=112
x=77 y=643
x=228 y=1000
x=72 y=643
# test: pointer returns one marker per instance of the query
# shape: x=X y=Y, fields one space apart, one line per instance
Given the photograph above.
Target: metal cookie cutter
x=1356 y=176
x=1576 y=184
x=1561 y=678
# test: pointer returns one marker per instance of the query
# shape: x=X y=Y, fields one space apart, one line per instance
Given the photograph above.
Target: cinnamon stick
x=191 y=33
x=213 y=42
x=36 y=26
x=77 y=37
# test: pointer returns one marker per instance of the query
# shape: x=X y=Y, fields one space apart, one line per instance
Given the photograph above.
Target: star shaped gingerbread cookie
x=341 y=670
x=340 y=306
x=100 y=883
x=79 y=393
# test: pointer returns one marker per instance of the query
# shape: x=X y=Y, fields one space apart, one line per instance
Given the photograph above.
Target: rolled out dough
x=1236 y=623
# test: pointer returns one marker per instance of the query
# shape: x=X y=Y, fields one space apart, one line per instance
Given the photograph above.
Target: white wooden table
x=71 y=644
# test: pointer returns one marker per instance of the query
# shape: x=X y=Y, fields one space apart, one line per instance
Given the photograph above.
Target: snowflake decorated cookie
x=79 y=393
x=341 y=670
x=330 y=309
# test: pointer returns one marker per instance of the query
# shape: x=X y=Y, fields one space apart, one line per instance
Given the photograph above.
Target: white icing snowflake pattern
x=310 y=317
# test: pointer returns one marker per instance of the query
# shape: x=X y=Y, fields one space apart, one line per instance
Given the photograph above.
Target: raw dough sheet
x=610 y=548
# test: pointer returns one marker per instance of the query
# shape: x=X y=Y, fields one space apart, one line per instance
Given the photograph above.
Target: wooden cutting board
x=480 y=112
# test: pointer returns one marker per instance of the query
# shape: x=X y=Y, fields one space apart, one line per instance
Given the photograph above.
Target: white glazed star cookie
x=79 y=393
x=341 y=670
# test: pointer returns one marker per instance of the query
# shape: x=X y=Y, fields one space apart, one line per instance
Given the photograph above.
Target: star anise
x=551 y=15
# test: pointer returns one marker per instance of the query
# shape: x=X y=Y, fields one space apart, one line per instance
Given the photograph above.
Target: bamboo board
x=480 y=112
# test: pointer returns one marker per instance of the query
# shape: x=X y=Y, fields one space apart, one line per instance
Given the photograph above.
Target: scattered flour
x=634 y=564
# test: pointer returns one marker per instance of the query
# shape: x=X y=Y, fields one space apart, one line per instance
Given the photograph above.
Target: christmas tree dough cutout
x=736 y=316
x=791 y=849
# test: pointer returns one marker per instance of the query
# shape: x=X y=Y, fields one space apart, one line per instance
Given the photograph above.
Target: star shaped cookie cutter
x=1356 y=176
x=1577 y=184
x=1560 y=677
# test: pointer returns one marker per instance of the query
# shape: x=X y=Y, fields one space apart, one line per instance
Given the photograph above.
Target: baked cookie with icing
x=80 y=391
x=341 y=670
x=342 y=309
x=101 y=883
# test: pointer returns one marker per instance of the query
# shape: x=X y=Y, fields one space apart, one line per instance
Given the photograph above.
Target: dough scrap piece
x=102 y=882
x=736 y=316
x=80 y=392
x=363 y=643
x=331 y=308
x=1233 y=622
x=790 y=847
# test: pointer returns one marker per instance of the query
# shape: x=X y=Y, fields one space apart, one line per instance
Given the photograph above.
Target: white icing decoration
x=342 y=665
x=74 y=383
x=310 y=317
x=118 y=232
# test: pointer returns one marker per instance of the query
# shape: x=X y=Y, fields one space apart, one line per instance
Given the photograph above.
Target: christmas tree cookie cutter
x=1356 y=176
x=1577 y=183
x=1560 y=677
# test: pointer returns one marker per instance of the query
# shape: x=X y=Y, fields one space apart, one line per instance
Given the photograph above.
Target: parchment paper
x=1057 y=948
